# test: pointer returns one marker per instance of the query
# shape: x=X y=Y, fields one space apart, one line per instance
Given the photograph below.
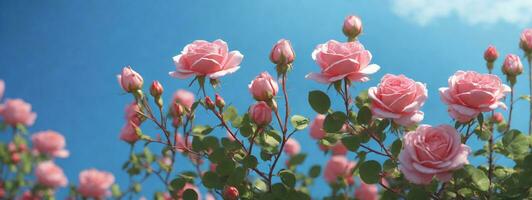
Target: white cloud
x=518 y=12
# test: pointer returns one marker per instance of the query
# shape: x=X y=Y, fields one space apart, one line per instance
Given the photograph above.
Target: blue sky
x=62 y=57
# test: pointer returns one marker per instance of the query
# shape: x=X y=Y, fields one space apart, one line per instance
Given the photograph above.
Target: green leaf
x=250 y=161
x=351 y=142
x=288 y=178
x=297 y=159
x=211 y=180
x=364 y=115
x=370 y=172
x=190 y=194
x=225 y=167
x=260 y=185
x=177 y=184
x=230 y=113
x=319 y=101
x=396 y=147
x=417 y=193
x=299 y=122
x=516 y=143
x=525 y=97
x=478 y=177
x=334 y=122
x=238 y=175
x=314 y=171
x=201 y=130
x=115 y=190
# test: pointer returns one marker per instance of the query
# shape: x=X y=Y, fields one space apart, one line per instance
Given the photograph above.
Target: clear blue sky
x=62 y=57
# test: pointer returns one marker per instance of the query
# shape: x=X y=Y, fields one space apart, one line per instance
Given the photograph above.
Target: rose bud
x=367 y=192
x=352 y=27
x=292 y=147
x=176 y=110
x=15 y=157
x=491 y=54
x=263 y=87
x=12 y=147
x=156 y=89
x=497 y=117
x=176 y=122
x=209 y=103
x=260 y=113
x=130 y=80
x=22 y=147
x=2 y=193
x=231 y=193
x=220 y=103
x=526 y=40
x=282 y=53
x=512 y=65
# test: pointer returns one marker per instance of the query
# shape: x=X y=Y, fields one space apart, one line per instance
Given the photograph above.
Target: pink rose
x=130 y=80
x=491 y=54
x=525 y=41
x=17 y=111
x=470 y=93
x=352 y=26
x=156 y=89
x=282 y=53
x=50 y=143
x=398 y=98
x=338 y=166
x=129 y=133
x=202 y=58
x=50 y=175
x=342 y=60
x=339 y=149
x=2 y=88
x=260 y=113
x=184 y=98
x=263 y=87
x=432 y=151
x=132 y=113
x=94 y=183
x=512 y=65
x=316 y=128
x=366 y=192
x=291 y=147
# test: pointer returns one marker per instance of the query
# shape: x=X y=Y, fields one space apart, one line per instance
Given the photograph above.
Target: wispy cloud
x=423 y=12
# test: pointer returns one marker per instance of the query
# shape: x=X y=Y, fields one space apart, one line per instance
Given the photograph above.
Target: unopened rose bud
x=12 y=147
x=497 y=117
x=130 y=80
x=176 y=110
x=156 y=89
x=512 y=66
x=282 y=53
x=176 y=122
x=22 y=147
x=525 y=41
x=263 y=87
x=352 y=27
x=209 y=103
x=15 y=158
x=220 y=103
x=491 y=54
x=2 y=193
x=231 y=193
x=260 y=113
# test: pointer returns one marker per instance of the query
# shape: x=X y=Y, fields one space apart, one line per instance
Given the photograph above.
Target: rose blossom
x=316 y=128
x=339 y=148
x=130 y=80
x=260 y=113
x=366 y=192
x=282 y=53
x=50 y=175
x=202 y=58
x=398 y=98
x=231 y=193
x=51 y=143
x=129 y=133
x=292 y=147
x=184 y=98
x=512 y=65
x=132 y=113
x=432 y=151
x=263 y=87
x=525 y=41
x=338 y=166
x=352 y=26
x=342 y=60
x=2 y=88
x=491 y=54
x=470 y=93
x=94 y=183
x=17 y=111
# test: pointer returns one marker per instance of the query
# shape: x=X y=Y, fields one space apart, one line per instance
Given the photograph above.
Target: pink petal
x=219 y=74
x=318 y=77
x=233 y=60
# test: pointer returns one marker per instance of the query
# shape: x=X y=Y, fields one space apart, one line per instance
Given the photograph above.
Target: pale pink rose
x=210 y=59
x=316 y=128
x=432 y=151
x=491 y=54
x=50 y=175
x=512 y=65
x=339 y=149
x=282 y=53
x=130 y=80
x=17 y=111
x=263 y=87
x=132 y=113
x=352 y=26
x=184 y=98
x=338 y=166
x=2 y=88
x=470 y=93
x=366 y=192
x=186 y=187
x=94 y=183
x=292 y=147
x=342 y=60
x=525 y=41
x=50 y=143
x=398 y=98
x=129 y=133
x=260 y=113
